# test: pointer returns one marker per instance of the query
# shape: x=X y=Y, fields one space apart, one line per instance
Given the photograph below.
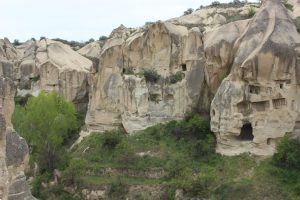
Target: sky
x=81 y=20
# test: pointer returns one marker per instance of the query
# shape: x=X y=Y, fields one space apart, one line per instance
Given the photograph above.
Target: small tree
x=215 y=3
x=188 y=11
x=45 y=122
x=16 y=42
x=103 y=38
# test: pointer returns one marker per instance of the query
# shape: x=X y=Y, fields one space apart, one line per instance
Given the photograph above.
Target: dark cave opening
x=246 y=132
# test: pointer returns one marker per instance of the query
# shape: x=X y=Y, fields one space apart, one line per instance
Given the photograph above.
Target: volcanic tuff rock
x=13 y=149
x=118 y=97
x=259 y=102
x=53 y=66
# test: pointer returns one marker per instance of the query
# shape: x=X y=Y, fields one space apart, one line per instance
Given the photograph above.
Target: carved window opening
x=261 y=106
x=279 y=103
x=281 y=85
x=246 y=132
x=254 y=89
x=213 y=112
x=243 y=106
x=124 y=70
x=183 y=67
x=269 y=141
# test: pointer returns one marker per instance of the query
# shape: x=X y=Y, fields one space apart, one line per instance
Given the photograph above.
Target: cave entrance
x=246 y=132
x=183 y=67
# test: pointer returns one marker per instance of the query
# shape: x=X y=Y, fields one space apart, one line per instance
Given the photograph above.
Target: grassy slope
x=212 y=176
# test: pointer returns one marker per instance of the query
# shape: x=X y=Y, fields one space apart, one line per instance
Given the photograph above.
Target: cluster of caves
x=256 y=104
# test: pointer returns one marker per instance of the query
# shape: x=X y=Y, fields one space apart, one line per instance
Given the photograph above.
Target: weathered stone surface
x=7 y=51
x=13 y=149
x=258 y=102
x=92 y=51
x=121 y=98
x=52 y=66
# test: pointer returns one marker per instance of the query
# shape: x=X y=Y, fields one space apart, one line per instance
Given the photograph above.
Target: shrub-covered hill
x=164 y=161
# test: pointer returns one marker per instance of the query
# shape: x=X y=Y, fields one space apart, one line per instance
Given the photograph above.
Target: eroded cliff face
x=52 y=66
x=122 y=98
x=13 y=149
x=259 y=101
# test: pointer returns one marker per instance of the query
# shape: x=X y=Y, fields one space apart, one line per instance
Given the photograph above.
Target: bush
x=151 y=76
x=288 y=154
x=36 y=78
x=188 y=11
x=288 y=6
x=22 y=100
x=215 y=3
x=177 y=77
x=128 y=70
x=103 y=38
x=154 y=97
x=251 y=12
x=72 y=175
x=297 y=24
x=117 y=189
x=16 y=42
x=112 y=139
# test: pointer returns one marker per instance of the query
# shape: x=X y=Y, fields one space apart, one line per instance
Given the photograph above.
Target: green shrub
x=22 y=100
x=103 y=38
x=251 y=12
x=128 y=70
x=37 y=184
x=16 y=43
x=117 y=189
x=177 y=77
x=297 y=24
x=288 y=154
x=154 y=97
x=288 y=6
x=215 y=3
x=112 y=139
x=188 y=11
x=36 y=78
x=151 y=76
x=73 y=173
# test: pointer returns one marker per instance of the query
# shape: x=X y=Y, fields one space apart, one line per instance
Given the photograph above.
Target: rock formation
x=14 y=151
x=53 y=66
x=258 y=102
x=121 y=95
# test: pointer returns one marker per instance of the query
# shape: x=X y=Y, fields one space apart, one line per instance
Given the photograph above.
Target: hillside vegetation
x=177 y=156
